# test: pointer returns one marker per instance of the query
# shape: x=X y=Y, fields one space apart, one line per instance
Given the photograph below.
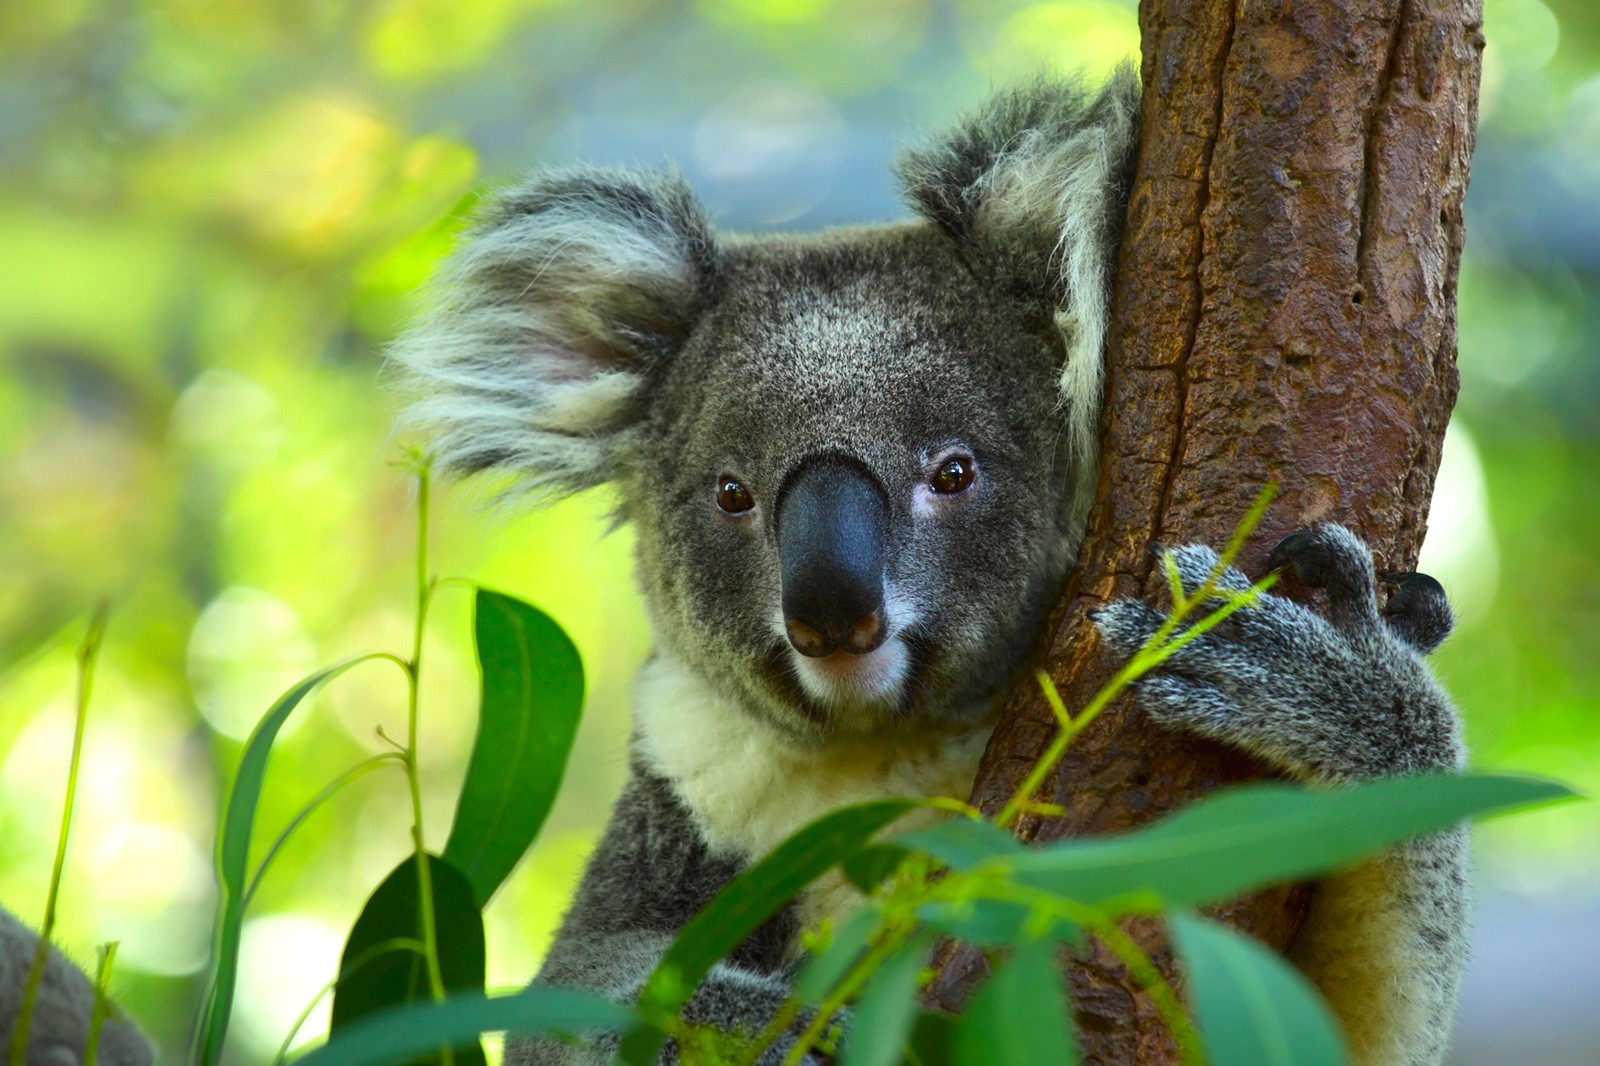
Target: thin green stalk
x=430 y=934
x=334 y=787
x=382 y=947
x=88 y=653
x=102 y=1001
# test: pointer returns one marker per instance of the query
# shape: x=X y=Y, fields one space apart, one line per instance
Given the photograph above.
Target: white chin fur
x=846 y=680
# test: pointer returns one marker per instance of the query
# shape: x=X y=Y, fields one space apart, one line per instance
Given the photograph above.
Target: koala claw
x=1332 y=558
x=1418 y=612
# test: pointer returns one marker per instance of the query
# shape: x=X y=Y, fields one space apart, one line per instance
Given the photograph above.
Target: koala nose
x=832 y=520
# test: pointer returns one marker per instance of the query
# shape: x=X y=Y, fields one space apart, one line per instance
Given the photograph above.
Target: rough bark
x=1284 y=311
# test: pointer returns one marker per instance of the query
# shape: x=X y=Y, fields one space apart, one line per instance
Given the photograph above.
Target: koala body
x=858 y=463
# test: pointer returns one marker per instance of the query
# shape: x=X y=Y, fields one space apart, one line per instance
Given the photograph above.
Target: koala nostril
x=808 y=641
x=865 y=635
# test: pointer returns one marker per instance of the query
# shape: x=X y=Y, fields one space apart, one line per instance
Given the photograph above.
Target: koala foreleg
x=1337 y=699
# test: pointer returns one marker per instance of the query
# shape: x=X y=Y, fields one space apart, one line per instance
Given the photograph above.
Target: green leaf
x=992 y=922
x=532 y=697
x=932 y=1040
x=232 y=861
x=880 y=1025
x=1020 y=1015
x=871 y=866
x=394 y=912
x=403 y=1033
x=747 y=901
x=828 y=967
x=962 y=843
x=1240 y=839
x=1253 y=1008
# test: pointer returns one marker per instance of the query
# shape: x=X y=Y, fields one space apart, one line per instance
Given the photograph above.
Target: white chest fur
x=749 y=787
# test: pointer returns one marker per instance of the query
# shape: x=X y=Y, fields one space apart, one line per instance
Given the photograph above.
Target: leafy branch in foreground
x=410 y=982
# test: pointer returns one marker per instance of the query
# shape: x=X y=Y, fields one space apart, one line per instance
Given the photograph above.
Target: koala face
x=858 y=462
x=849 y=493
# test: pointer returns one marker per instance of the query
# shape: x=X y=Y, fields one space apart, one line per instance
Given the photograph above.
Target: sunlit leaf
x=394 y=912
x=880 y=1025
x=401 y=1034
x=1020 y=1015
x=233 y=856
x=532 y=696
x=747 y=901
x=1240 y=839
x=1253 y=1008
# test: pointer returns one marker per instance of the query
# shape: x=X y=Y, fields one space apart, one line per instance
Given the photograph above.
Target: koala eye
x=953 y=476
x=733 y=497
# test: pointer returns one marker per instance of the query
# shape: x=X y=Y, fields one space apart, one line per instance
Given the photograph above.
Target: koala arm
x=62 y=1012
x=1338 y=699
x=650 y=874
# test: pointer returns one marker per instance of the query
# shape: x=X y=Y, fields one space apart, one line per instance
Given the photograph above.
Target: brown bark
x=1284 y=311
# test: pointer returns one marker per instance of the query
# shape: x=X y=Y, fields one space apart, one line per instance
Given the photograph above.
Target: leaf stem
x=382 y=947
x=333 y=788
x=426 y=917
x=88 y=654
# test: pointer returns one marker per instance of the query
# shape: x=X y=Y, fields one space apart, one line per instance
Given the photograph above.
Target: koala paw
x=1333 y=698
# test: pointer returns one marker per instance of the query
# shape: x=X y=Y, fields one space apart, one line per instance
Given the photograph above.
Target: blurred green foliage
x=213 y=217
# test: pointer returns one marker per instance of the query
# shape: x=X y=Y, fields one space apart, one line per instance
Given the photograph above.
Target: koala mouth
x=846 y=679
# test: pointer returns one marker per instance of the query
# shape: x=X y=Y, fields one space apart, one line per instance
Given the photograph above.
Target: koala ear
x=1036 y=182
x=553 y=318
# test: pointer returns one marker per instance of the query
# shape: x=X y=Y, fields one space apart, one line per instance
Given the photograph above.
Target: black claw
x=1300 y=550
x=1418 y=612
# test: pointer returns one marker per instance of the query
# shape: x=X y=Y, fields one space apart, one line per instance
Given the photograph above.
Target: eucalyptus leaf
x=1233 y=841
x=1252 y=1007
x=400 y=1034
x=880 y=1025
x=872 y=865
x=962 y=843
x=531 y=684
x=993 y=922
x=394 y=912
x=233 y=857
x=932 y=1040
x=747 y=901
x=1020 y=1015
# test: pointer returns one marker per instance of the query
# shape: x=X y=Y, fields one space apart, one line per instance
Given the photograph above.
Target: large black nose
x=832 y=521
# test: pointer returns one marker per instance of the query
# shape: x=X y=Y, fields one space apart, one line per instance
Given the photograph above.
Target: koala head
x=858 y=461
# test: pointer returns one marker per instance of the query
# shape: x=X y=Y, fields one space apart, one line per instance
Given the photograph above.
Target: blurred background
x=214 y=215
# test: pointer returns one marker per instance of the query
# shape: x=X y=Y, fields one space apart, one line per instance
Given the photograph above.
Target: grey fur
x=62 y=1011
x=593 y=329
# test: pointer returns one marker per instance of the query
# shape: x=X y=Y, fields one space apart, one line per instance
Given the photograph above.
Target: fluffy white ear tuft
x=552 y=319
x=1036 y=181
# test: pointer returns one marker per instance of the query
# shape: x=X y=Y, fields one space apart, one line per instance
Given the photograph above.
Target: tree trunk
x=1284 y=311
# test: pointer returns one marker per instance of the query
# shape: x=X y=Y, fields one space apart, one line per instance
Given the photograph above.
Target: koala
x=63 y=1010
x=858 y=464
